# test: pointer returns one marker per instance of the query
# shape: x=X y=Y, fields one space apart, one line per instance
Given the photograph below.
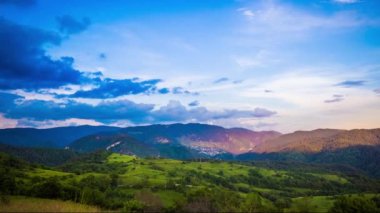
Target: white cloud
x=346 y=1
x=272 y=18
x=247 y=12
x=260 y=59
x=7 y=123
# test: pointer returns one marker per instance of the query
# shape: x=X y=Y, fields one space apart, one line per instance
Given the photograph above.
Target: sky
x=281 y=65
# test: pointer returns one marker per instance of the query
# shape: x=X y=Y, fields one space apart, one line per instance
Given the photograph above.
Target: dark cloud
x=69 y=25
x=377 y=91
x=193 y=103
x=181 y=90
x=268 y=91
x=102 y=56
x=237 y=81
x=106 y=111
x=24 y=64
x=19 y=3
x=112 y=88
x=16 y=107
x=220 y=80
x=351 y=83
x=164 y=91
x=335 y=98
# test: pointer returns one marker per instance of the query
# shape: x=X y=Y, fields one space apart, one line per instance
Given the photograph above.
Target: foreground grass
x=28 y=204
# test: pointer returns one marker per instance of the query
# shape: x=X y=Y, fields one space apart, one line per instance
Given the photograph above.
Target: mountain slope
x=44 y=156
x=118 y=142
x=319 y=140
x=125 y=144
x=48 y=138
x=206 y=138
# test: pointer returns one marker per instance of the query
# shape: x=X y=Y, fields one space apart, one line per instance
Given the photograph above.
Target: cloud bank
x=16 y=107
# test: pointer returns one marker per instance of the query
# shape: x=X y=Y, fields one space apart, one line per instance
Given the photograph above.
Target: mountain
x=48 y=138
x=209 y=139
x=117 y=142
x=319 y=140
x=125 y=144
x=44 y=156
x=180 y=141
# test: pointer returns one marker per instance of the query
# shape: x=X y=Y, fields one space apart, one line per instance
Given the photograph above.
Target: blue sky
x=270 y=64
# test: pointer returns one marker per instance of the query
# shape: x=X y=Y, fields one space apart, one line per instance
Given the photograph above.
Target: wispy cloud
x=345 y=1
x=271 y=17
x=246 y=12
x=221 y=80
x=335 y=98
x=356 y=83
x=193 y=103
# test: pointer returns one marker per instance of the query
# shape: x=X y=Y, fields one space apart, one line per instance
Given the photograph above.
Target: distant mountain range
x=357 y=148
x=192 y=138
x=48 y=138
x=320 y=140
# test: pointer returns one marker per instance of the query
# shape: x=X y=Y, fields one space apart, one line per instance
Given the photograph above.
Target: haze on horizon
x=280 y=65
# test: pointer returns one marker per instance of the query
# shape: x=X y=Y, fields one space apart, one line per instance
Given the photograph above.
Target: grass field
x=27 y=204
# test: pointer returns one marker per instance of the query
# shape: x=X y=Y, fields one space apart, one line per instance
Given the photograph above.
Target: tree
x=133 y=206
x=346 y=204
x=50 y=188
x=253 y=203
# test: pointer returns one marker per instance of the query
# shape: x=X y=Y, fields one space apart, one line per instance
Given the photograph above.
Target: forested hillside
x=122 y=182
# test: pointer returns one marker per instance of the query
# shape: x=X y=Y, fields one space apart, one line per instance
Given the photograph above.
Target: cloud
x=270 y=18
x=377 y=91
x=19 y=3
x=247 y=12
x=238 y=81
x=335 y=98
x=24 y=63
x=164 y=91
x=105 y=111
x=181 y=90
x=54 y=123
x=193 y=103
x=68 y=25
x=268 y=91
x=7 y=123
x=16 y=107
x=102 y=56
x=112 y=88
x=174 y=111
x=345 y=1
x=351 y=83
x=221 y=80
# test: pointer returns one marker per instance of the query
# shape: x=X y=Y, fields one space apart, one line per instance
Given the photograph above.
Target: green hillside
x=122 y=182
